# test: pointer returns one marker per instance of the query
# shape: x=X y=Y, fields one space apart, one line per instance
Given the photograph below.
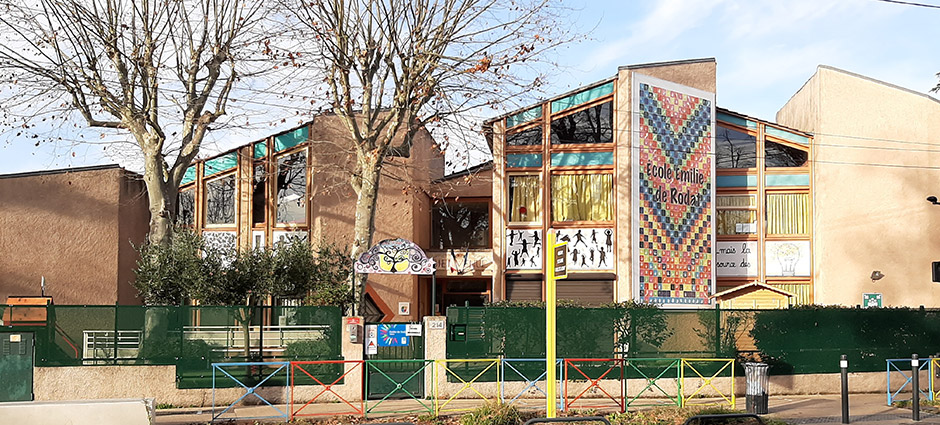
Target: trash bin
x=756 y=376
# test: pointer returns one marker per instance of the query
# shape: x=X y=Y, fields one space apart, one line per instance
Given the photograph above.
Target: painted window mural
x=588 y=249
x=524 y=249
x=673 y=186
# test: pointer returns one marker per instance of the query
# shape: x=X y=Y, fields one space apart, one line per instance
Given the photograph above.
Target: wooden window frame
x=205 y=200
x=272 y=204
x=580 y=147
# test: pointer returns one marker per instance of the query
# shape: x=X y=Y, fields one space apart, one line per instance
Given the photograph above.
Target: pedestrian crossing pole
x=557 y=269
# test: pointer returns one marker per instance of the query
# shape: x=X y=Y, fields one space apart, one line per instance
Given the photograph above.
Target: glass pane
x=787 y=214
x=734 y=149
x=525 y=199
x=292 y=188
x=736 y=201
x=461 y=225
x=259 y=194
x=186 y=208
x=778 y=155
x=220 y=200
x=468 y=285
x=580 y=197
x=530 y=137
x=592 y=125
x=736 y=222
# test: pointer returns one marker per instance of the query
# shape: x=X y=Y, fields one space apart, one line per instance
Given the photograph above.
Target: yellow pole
x=550 y=369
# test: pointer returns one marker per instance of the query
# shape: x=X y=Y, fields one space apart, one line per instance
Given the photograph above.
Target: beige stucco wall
x=699 y=75
x=876 y=157
x=76 y=229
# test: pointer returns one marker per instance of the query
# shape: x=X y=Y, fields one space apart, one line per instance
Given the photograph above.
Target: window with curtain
x=734 y=149
x=460 y=225
x=788 y=213
x=780 y=155
x=292 y=188
x=582 y=197
x=591 y=125
x=186 y=207
x=525 y=198
x=530 y=137
x=259 y=194
x=737 y=214
x=220 y=200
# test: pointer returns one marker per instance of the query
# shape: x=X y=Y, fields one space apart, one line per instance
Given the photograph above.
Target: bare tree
x=394 y=66
x=160 y=70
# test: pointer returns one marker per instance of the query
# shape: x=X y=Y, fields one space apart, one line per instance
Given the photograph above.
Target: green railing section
x=188 y=337
x=793 y=341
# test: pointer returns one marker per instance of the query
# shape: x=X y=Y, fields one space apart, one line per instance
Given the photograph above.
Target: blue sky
x=765 y=50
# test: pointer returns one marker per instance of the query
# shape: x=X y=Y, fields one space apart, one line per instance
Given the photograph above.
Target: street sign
x=561 y=260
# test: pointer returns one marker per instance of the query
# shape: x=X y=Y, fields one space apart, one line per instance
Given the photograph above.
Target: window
x=186 y=207
x=292 y=188
x=525 y=198
x=530 y=137
x=582 y=197
x=459 y=292
x=787 y=213
x=737 y=214
x=780 y=155
x=460 y=225
x=220 y=200
x=591 y=125
x=734 y=149
x=259 y=194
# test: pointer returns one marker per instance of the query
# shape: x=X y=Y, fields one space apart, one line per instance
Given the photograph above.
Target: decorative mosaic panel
x=524 y=249
x=588 y=249
x=282 y=236
x=223 y=242
x=673 y=193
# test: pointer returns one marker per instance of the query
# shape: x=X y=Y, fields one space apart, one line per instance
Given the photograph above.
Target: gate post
x=353 y=388
x=435 y=348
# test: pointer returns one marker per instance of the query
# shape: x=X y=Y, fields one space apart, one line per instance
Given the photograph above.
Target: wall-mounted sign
x=788 y=258
x=353 y=320
x=588 y=249
x=404 y=308
x=393 y=335
x=413 y=329
x=673 y=191
x=372 y=339
x=437 y=324
x=395 y=256
x=561 y=260
x=736 y=259
x=871 y=300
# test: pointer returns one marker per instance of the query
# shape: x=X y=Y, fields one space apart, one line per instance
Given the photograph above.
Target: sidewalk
x=868 y=409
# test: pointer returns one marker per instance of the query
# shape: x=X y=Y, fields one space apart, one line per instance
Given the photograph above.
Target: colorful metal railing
x=445 y=369
x=514 y=366
x=696 y=366
x=652 y=372
x=253 y=390
x=311 y=370
x=414 y=375
x=580 y=370
x=903 y=367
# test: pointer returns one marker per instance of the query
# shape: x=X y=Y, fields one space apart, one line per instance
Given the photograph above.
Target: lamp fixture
x=933 y=200
x=876 y=275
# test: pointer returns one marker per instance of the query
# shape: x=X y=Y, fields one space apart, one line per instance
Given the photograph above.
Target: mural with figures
x=588 y=249
x=673 y=188
x=524 y=249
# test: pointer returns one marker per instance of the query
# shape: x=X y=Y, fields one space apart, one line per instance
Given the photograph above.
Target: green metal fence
x=188 y=337
x=793 y=341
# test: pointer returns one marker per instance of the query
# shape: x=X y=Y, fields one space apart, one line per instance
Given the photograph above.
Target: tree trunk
x=160 y=196
x=364 y=224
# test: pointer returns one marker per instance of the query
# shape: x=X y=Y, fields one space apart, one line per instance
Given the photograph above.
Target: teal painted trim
x=736 y=181
x=291 y=139
x=519 y=160
x=738 y=121
x=189 y=176
x=524 y=117
x=582 y=97
x=582 y=158
x=261 y=149
x=219 y=164
x=786 y=135
x=787 y=180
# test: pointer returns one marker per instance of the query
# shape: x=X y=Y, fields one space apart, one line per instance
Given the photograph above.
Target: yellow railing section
x=444 y=368
x=933 y=368
x=693 y=365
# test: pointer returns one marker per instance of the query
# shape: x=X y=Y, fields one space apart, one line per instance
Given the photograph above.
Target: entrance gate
x=400 y=379
x=16 y=366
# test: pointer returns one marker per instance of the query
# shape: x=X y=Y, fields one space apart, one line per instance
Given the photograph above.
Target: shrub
x=493 y=413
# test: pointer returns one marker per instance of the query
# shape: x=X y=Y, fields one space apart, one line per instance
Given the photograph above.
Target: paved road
x=867 y=409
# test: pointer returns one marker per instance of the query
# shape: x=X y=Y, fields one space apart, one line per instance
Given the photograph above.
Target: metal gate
x=16 y=366
x=395 y=367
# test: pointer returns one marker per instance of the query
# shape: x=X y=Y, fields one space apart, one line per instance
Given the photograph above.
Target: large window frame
x=206 y=200
x=275 y=194
x=439 y=244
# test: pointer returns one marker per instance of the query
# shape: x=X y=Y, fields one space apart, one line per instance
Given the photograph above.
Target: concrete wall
x=875 y=158
x=76 y=228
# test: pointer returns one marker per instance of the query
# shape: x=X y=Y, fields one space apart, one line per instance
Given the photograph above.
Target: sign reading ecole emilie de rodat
x=673 y=188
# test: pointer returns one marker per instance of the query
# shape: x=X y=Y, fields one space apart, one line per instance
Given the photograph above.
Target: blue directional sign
x=393 y=336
